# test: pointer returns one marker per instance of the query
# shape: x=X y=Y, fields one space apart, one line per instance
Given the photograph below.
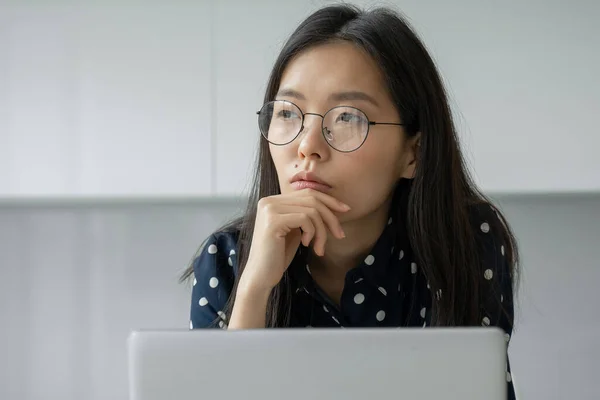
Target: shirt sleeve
x=214 y=275
x=497 y=307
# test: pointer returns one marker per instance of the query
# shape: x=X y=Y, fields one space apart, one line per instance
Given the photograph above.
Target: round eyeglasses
x=344 y=128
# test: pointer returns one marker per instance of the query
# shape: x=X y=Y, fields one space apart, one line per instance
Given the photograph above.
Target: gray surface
x=76 y=278
x=348 y=364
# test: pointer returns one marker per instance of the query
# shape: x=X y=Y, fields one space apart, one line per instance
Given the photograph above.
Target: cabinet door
x=38 y=135
x=105 y=100
x=523 y=83
x=144 y=106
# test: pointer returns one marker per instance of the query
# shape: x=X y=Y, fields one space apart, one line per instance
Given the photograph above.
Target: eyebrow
x=339 y=96
x=353 y=95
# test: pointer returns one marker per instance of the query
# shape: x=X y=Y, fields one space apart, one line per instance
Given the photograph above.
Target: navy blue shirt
x=387 y=289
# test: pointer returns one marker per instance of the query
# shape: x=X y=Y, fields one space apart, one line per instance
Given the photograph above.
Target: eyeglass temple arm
x=385 y=123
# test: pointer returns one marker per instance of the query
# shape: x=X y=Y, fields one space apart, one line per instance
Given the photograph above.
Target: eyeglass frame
x=369 y=124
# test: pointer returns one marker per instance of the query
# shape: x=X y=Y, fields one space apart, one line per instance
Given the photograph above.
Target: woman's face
x=337 y=74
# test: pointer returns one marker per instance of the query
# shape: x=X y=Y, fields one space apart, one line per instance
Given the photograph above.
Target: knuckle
x=267 y=207
x=262 y=202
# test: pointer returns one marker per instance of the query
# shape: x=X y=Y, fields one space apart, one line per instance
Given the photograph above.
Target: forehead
x=333 y=67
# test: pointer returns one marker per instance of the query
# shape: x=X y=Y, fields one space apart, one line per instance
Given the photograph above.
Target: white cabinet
x=148 y=99
x=106 y=100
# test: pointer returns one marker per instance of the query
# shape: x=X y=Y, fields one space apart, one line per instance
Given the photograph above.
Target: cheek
x=379 y=161
x=281 y=158
x=370 y=178
x=278 y=156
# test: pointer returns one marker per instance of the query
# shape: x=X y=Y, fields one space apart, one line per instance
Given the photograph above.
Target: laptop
x=318 y=364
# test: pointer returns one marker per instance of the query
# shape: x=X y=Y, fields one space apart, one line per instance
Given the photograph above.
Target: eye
x=349 y=117
x=287 y=114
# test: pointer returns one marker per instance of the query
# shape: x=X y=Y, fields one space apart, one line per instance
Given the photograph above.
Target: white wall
x=149 y=99
x=76 y=278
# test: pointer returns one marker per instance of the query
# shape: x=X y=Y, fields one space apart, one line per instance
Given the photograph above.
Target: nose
x=312 y=143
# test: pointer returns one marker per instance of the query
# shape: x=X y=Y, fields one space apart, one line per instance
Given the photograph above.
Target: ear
x=411 y=156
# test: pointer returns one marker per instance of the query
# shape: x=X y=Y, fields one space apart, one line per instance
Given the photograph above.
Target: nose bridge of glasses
x=318 y=124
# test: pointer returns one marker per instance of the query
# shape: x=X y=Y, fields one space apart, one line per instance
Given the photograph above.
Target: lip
x=309 y=180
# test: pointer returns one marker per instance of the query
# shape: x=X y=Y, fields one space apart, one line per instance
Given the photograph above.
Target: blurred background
x=128 y=132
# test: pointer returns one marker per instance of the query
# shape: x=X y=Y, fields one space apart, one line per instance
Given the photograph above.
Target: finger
x=319 y=233
x=300 y=220
x=327 y=199
x=329 y=218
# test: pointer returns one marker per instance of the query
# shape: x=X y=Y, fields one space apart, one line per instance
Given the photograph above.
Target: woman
x=362 y=212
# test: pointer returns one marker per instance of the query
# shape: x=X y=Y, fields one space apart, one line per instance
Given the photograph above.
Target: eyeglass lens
x=345 y=128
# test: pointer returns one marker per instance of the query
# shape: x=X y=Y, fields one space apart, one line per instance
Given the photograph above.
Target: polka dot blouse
x=387 y=289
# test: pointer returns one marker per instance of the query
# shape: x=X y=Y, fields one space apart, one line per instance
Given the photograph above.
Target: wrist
x=250 y=289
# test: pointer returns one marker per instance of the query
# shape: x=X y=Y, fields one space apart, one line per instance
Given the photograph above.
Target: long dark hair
x=438 y=221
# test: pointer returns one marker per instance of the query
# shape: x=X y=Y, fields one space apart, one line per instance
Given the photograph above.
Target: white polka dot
x=212 y=249
x=335 y=319
x=213 y=283
x=488 y=274
x=325 y=308
x=195 y=281
x=191 y=325
x=383 y=291
x=359 y=280
x=508 y=377
x=370 y=259
x=401 y=255
x=502 y=249
x=438 y=294
x=230 y=262
x=221 y=315
x=308 y=269
x=507 y=337
x=203 y=301
x=390 y=221
x=399 y=287
x=423 y=312
x=232 y=252
x=222 y=325
x=380 y=315
x=501 y=298
x=485 y=321
x=485 y=227
x=413 y=268
x=428 y=285
x=359 y=298
x=424 y=324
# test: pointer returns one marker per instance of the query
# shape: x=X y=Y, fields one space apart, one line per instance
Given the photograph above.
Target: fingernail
x=345 y=206
x=343 y=233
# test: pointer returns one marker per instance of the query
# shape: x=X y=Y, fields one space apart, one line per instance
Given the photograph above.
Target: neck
x=361 y=235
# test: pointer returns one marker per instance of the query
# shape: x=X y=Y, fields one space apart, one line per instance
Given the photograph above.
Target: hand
x=282 y=223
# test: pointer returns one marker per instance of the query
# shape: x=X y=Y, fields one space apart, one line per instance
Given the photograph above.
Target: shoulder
x=215 y=269
x=217 y=255
x=495 y=251
x=490 y=230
